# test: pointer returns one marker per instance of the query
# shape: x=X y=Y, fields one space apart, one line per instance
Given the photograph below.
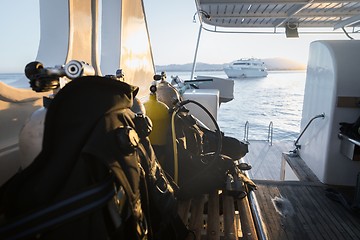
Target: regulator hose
x=173 y=133
x=218 y=132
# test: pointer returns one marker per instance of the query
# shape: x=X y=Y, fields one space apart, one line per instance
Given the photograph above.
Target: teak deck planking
x=314 y=216
x=303 y=212
x=218 y=216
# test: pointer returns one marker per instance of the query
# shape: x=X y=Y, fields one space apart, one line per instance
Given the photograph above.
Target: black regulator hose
x=218 y=132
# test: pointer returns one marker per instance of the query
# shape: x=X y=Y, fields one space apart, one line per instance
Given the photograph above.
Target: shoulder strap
x=134 y=202
x=59 y=212
x=161 y=193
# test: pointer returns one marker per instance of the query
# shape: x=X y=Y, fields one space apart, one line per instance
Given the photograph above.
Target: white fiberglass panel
x=110 y=36
x=54 y=32
x=333 y=71
x=82 y=46
x=68 y=32
x=209 y=98
x=136 y=56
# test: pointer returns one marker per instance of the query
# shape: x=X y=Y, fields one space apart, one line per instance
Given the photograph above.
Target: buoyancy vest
x=91 y=139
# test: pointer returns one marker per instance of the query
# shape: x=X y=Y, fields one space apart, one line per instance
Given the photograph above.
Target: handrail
x=246 y=131
x=256 y=213
x=297 y=146
x=270 y=133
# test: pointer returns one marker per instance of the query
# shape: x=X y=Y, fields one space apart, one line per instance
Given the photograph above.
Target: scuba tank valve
x=166 y=92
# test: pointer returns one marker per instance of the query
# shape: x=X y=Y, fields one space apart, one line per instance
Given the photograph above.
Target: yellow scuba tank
x=158 y=112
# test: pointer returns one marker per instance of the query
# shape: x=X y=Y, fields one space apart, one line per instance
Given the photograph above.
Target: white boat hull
x=16 y=106
x=225 y=87
x=245 y=73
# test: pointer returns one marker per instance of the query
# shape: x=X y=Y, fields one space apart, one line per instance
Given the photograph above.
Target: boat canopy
x=279 y=14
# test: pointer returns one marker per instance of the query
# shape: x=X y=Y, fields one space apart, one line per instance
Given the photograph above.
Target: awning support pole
x=196 y=51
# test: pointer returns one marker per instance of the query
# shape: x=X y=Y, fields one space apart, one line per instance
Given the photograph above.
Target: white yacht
x=246 y=68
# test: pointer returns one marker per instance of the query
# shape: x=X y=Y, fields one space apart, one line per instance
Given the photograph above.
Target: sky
x=173 y=36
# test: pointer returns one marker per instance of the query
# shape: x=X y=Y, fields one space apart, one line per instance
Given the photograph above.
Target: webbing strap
x=59 y=212
x=134 y=202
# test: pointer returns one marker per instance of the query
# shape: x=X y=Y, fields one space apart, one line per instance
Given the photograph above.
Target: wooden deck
x=266 y=159
x=217 y=216
x=301 y=210
x=296 y=209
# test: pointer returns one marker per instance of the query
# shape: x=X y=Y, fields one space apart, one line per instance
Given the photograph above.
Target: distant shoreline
x=272 y=64
x=219 y=70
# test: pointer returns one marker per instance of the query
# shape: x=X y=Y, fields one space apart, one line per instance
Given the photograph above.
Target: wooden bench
x=218 y=216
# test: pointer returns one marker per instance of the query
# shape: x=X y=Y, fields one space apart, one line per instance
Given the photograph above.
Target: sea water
x=275 y=99
x=17 y=80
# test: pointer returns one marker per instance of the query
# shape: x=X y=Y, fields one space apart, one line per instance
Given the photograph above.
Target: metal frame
x=278 y=13
x=242 y=15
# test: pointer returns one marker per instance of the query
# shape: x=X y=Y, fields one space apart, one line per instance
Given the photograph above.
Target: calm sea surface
x=277 y=98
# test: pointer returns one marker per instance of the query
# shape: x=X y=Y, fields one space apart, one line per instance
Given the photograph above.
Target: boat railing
x=270 y=133
x=269 y=136
x=296 y=143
